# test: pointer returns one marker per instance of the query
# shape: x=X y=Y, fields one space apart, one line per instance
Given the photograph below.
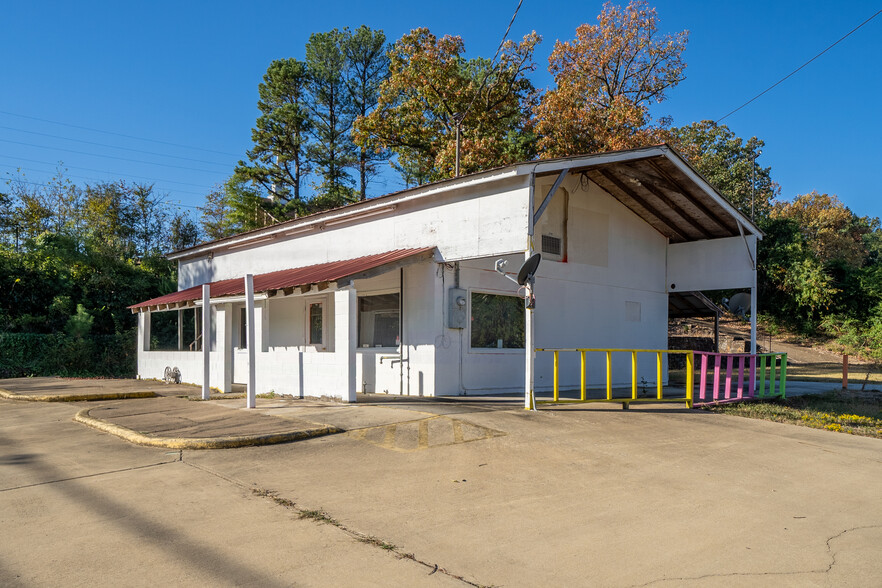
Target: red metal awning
x=302 y=277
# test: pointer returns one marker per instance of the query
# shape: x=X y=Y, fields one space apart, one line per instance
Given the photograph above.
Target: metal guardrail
x=722 y=389
x=625 y=401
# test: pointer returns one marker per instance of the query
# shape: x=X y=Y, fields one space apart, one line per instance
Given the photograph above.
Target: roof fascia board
x=354 y=214
x=590 y=160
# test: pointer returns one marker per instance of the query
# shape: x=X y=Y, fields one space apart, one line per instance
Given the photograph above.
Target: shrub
x=28 y=354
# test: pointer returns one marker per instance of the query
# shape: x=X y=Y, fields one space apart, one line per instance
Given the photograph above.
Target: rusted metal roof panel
x=290 y=278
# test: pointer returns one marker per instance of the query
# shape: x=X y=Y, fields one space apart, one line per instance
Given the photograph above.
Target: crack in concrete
x=320 y=516
x=824 y=571
x=837 y=536
x=95 y=475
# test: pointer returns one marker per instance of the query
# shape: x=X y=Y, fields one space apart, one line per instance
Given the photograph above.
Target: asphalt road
x=445 y=494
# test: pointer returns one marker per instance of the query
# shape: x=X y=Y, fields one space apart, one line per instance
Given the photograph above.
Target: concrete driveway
x=425 y=493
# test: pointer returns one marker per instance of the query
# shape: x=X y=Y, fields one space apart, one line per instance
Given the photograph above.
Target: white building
x=398 y=294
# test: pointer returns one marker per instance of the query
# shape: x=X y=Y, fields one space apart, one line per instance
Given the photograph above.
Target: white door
x=240 y=347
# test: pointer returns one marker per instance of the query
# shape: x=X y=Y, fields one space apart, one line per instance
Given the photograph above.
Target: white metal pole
x=529 y=342
x=251 y=400
x=206 y=340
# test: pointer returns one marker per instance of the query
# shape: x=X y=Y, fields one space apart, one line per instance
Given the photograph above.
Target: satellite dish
x=528 y=269
x=739 y=304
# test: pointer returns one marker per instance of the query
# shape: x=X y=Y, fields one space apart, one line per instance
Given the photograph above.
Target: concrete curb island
x=202 y=442
x=76 y=397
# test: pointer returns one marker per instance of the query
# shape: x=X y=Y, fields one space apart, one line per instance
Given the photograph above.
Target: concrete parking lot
x=440 y=493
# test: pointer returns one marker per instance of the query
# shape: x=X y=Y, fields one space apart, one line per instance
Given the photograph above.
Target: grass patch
x=842 y=412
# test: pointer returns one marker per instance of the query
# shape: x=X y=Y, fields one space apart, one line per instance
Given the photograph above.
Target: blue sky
x=173 y=85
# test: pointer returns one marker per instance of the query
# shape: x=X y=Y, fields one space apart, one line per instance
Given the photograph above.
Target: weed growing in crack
x=319 y=516
x=377 y=543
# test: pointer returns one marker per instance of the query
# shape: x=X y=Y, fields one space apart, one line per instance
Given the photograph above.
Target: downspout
x=462 y=389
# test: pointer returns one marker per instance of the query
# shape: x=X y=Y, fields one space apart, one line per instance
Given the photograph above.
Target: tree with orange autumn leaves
x=606 y=79
x=431 y=88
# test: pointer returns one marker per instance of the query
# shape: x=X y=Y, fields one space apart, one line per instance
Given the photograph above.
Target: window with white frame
x=497 y=321
x=379 y=320
x=316 y=323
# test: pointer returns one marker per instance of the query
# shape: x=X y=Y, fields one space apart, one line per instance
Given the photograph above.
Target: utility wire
x=92 y=178
x=163 y=202
x=207 y=171
x=117 y=134
x=465 y=113
x=114 y=146
x=801 y=66
x=64 y=167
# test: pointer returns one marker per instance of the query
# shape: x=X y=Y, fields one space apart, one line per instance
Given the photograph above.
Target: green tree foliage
x=235 y=207
x=331 y=112
x=725 y=160
x=819 y=266
x=86 y=255
x=367 y=68
x=183 y=231
x=431 y=88
x=278 y=162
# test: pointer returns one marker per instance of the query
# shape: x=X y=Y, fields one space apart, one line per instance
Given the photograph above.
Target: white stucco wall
x=461 y=224
x=609 y=290
x=715 y=264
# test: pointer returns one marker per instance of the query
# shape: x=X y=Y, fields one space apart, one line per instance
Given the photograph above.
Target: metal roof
x=301 y=277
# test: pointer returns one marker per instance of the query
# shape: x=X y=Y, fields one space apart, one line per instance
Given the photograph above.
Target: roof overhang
x=691 y=304
x=660 y=187
x=290 y=281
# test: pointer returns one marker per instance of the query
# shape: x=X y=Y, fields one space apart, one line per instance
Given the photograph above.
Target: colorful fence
x=770 y=367
x=624 y=400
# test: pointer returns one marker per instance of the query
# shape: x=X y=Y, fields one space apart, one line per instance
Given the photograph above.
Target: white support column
x=529 y=349
x=346 y=337
x=143 y=342
x=180 y=330
x=530 y=343
x=251 y=400
x=144 y=331
x=206 y=341
x=224 y=344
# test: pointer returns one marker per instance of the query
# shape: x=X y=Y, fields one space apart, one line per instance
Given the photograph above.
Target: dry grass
x=858 y=375
x=843 y=412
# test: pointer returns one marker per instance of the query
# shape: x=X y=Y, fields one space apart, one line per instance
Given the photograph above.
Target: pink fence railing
x=730 y=377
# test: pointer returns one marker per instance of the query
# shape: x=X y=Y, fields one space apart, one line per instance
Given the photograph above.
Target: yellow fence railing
x=624 y=400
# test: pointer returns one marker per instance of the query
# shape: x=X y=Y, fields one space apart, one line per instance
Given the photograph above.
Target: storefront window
x=379 y=320
x=497 y=321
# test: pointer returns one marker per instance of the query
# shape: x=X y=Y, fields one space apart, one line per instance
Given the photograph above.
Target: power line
x=40 y=171
x=207 y=171
x=116 y=134
x=493 y=67
x=163 y=202
x=113 y=146
x=100 y=171
x=801 y=66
